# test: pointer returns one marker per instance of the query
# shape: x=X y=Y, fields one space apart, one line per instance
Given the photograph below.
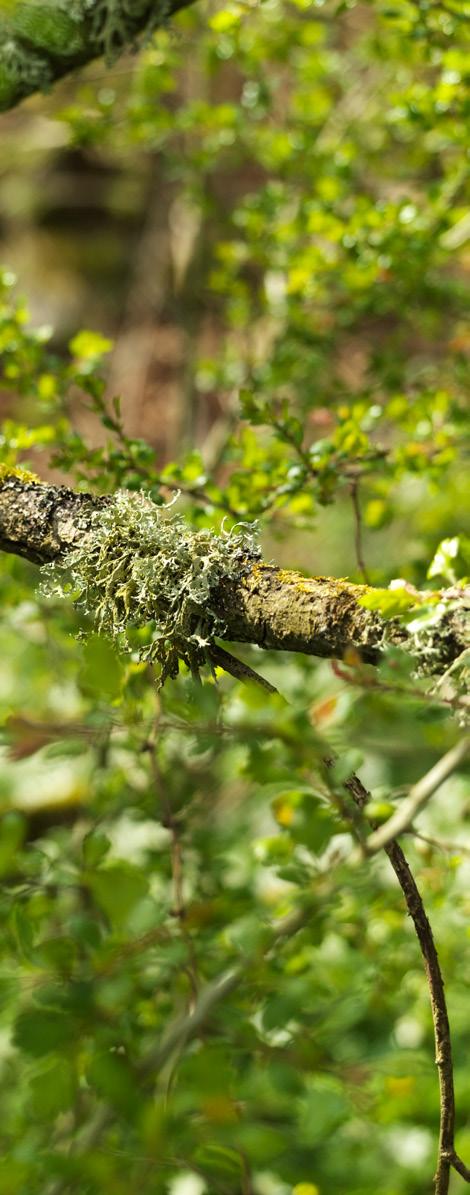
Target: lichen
x=141 y=566
x=22 y=69
x=48 y=26
x=36 y=34
x=114 y=23
x=432 y=634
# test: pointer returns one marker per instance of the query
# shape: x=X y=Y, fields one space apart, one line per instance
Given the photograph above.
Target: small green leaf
x=389 y=602
x=117 y=889
x=89 y=346
x=39 y=1031
x=95 y=846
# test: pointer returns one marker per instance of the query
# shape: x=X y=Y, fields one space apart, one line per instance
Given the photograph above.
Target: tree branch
x=447 y=1156
x=271 y=607
x=42 y=41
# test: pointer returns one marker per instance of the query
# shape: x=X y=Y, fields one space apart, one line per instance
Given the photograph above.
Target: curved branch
x=271 y=607
x=447 y=1157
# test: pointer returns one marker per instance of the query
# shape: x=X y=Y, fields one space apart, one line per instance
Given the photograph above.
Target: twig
x=171 y=823
x=237 y=668
x=358 y=677
x=447 y=1156
x=354 y=491
x=418 y=796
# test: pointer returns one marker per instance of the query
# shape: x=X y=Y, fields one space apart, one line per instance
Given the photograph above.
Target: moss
x=9 y=471
x=139 y=565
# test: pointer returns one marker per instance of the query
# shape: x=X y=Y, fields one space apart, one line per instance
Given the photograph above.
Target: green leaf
x=90 y=346
x=95 y=846
x=111 y=1076
x=103 y=672
x=53 y=1088
x=38 y=1031
x=389 y=602
x=451 y=560
x=117 y=889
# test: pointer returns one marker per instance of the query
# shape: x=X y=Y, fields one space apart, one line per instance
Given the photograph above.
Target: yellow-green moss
x=7 y=472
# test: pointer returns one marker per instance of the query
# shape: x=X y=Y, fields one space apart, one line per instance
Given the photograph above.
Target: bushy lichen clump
x=141 y=565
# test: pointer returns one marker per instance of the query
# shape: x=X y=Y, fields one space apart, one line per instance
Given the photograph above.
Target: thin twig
x=418 y=796
x=363 y=680
x=173 y=826
x=237 y=668
x=354 y=491
x=451 y=848
x=447 y=1156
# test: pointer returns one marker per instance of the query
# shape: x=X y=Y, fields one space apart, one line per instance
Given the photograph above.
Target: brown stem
x=354 y=489
x=176 y=851
x=447 y=1156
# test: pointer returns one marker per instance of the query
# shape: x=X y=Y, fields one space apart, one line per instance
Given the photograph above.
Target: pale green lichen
x=48 y=26
x=22 y=69
x=141 y=566
x=35 y=35
x=114 y=23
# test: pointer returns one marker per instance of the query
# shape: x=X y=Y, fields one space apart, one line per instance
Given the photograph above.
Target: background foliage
x=266 y=212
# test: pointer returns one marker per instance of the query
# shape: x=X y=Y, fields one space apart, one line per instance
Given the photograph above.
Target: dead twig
x=447 y=1157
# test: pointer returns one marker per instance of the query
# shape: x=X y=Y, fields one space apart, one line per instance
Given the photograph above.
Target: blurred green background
x=266 y=212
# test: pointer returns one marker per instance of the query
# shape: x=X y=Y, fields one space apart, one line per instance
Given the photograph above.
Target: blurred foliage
x=316 y=160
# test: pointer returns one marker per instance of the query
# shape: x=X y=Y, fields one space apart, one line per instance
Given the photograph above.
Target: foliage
x=154 y=842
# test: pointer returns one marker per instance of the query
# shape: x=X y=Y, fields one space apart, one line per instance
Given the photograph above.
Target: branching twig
x=418 y=796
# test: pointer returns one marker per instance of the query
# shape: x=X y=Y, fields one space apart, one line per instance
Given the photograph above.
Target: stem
x=358 y=531
x=446 y=1157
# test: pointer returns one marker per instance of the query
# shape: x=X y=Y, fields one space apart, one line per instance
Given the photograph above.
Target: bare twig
x=452 y=848
x=237 y=668
x=418 y=796
x=358 y=676
x=447 y=1157
x=354 y=490
x=173 y=826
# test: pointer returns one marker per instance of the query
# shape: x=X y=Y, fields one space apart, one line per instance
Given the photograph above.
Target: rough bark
x=271 y=607
x=42 y=40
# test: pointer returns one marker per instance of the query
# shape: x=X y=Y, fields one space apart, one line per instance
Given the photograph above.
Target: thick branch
x=270 y=607
x=42 y=40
